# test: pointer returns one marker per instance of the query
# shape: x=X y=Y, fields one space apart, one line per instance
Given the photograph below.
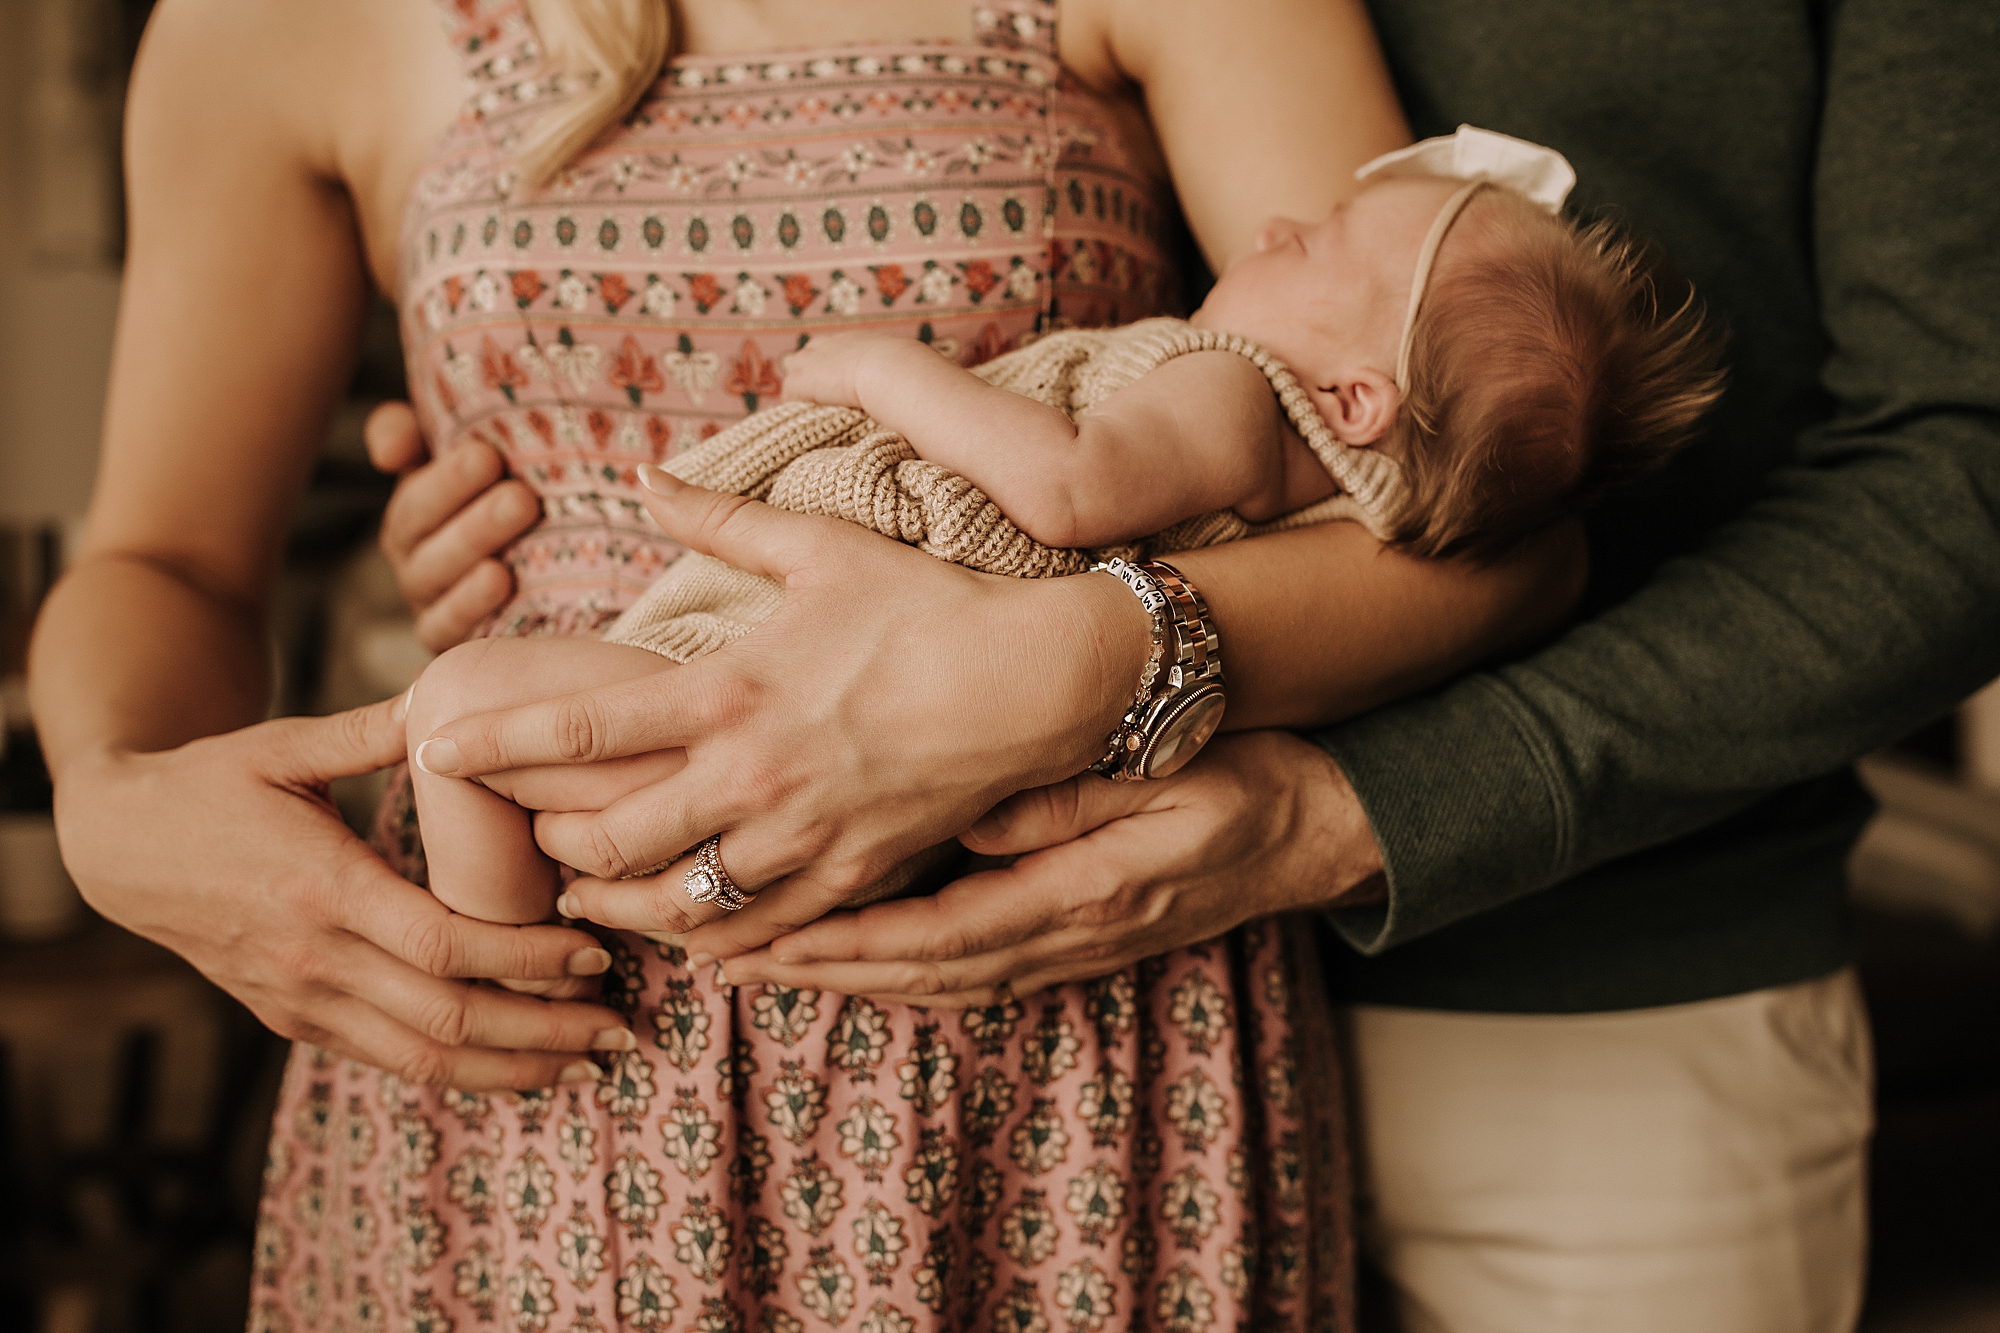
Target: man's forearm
x=1323 y=623
x=1855 y=598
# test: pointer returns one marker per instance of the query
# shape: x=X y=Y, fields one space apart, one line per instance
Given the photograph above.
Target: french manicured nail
x=697 y=961
x=568 y=906
x=438 y=756
x=401 y=708
x=722 y=977
x=614 y=1039
x=581 y=1072
x=658 y=480
x=587 y=962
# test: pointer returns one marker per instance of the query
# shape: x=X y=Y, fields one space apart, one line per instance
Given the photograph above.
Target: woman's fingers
x=310 y=750
x=407 y=923
x=442 y=558
x=443 y=525
x=429 y=495
x=748 y=534
x=395 y=443
x=653 y=905
x=450 y=620
x=369 y=1035
x=458 y=1013
x=569 y=988
x=654 y=712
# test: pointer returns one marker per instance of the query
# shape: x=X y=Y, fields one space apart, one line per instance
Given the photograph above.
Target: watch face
x=1184 y=732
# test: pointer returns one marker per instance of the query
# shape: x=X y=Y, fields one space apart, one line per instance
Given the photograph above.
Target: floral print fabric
x=1158 y=1149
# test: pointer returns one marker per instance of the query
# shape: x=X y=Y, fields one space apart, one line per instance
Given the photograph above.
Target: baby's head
x=1514 y=365
x=1541 y=371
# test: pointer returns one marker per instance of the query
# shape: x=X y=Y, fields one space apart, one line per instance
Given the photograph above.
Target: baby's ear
x=1360 y=406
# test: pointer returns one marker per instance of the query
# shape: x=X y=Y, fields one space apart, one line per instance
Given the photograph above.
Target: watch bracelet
x=1196 y=657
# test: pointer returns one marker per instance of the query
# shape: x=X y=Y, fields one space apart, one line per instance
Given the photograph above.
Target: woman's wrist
x=1105 y=639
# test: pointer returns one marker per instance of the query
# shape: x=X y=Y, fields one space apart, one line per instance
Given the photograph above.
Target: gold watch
x=1180 y=699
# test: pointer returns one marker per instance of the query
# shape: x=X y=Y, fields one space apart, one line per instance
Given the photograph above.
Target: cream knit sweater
x=838 y=461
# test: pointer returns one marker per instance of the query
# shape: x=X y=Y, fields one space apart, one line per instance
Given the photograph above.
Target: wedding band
x=709 y=882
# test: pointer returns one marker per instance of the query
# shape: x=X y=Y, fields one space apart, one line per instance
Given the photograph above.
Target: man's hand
x=447 y=519
x=228 y=851
x=1260 y=823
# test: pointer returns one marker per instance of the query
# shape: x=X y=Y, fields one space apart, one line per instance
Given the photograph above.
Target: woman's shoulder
x=353 y=94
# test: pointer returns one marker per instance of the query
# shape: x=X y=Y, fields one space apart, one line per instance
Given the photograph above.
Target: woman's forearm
x=1323 y=623
x=130 y=655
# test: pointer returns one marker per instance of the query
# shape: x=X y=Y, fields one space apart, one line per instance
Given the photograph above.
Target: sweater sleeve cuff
x=1466 y=802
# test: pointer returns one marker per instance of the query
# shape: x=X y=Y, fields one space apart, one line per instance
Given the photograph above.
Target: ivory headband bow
x=1479 y=158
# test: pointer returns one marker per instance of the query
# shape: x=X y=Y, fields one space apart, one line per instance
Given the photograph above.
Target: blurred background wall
x=134 y=1097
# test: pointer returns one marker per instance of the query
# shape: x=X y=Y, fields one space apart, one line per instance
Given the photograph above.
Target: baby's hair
x=1543 y=372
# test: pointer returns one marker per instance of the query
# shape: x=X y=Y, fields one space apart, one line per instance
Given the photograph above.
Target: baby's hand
x=827 y=369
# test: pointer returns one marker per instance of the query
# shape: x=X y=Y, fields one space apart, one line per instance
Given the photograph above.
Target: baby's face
x=1337 y=286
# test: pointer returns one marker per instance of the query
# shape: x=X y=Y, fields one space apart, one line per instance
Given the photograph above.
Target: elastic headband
x=1425 y=258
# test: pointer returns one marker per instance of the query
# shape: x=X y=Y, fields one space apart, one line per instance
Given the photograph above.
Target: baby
x=1443 y=359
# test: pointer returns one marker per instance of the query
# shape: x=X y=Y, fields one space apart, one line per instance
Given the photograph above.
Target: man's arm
x=1860 y=598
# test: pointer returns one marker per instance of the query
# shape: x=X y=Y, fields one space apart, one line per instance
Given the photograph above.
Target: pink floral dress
x=1160 y=1148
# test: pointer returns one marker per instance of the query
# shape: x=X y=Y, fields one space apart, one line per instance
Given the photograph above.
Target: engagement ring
x=709 y=882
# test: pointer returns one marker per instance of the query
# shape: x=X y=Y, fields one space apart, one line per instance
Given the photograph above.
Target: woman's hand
x=447 y=519
x=228 y=851
x=891 y=701
x=1110 y=873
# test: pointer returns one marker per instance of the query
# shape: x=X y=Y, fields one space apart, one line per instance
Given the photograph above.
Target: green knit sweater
x=1657 y=807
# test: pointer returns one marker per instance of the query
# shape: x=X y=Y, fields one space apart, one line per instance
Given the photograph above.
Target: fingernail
x=587 y=962
x=581 y=1072
x=438 y=756
x=614 y=1039
x=567 y=905
x=697 y=961
x=989 y=826
x=658 y=480
x=401 y=708
x=722 y=977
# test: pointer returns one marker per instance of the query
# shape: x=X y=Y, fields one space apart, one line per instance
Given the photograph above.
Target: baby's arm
x=1202 y=432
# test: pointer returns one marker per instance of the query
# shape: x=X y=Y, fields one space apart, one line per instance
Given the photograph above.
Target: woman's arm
x=1261 y=106
x=853 y=728
x=242 y=298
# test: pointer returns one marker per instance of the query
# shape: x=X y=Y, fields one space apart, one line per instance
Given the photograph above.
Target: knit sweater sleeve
x=1856 y=598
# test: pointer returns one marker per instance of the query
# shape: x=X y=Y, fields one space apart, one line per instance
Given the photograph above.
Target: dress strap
x=494 y=39
x=1019 y=25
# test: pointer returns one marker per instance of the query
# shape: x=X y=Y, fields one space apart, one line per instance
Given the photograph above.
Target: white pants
x=1693 y=1169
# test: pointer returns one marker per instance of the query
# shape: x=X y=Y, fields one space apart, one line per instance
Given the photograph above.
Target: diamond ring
x=709 y=882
